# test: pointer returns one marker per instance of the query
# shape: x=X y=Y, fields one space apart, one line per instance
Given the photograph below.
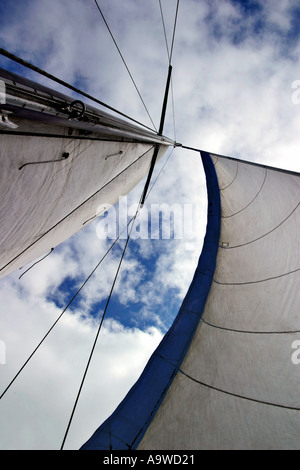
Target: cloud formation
x=234 y=64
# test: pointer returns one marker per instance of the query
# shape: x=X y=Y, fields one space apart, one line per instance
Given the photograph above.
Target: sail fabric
x=125 y=428
x=44 y=204
x=237 y=385
x=59 y=172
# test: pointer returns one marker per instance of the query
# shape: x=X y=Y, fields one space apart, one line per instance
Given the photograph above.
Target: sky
x=235 y=83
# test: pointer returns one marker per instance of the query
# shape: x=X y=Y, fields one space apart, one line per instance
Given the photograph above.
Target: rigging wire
x=60 y=316
x=23 y=62
x=169 y=53
x=164 y=28
x=99 y=329
x=170 y=60
x=79 y=290
x=132 y=221
x=173 y=110
x=76 y=208
x=170 y=57
x=124 y=62
x=174 y=29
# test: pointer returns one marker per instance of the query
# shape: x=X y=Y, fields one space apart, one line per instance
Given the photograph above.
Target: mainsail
x=223 y=376
x=62 y=164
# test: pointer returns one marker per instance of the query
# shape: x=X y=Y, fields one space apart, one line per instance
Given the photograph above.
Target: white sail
x=60 y=165
x=224 y=376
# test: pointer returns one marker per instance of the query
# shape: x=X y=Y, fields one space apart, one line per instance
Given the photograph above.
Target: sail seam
x=236 y=173
x=255 y=282
x=238 y=395
x=225 y=391
x=78 y=291
x=242 y=331
x=74 y=210
x=249 y=331
x=249 y=204
x=138 y=408
x=265 y=234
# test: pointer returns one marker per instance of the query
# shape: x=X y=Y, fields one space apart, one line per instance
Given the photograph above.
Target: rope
x=124 y=62
x=99 y=329
x=36 y=262
x=64 y=157
x=78 y=291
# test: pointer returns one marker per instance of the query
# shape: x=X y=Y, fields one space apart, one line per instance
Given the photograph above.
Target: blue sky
x=234 y=64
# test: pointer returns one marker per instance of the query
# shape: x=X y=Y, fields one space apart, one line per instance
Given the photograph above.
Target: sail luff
x=126 y=427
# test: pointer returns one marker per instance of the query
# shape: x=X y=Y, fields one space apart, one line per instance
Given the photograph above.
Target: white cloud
x=233 y=99
x=36 y=409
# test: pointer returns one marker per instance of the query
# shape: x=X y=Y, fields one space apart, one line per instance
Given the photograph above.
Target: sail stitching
x=259 y=165
x=231 y=215
x=249 y=331
x=81 y=287
x=237 y=395
x=254 y=282
x=236 y=173
x=225 y=391
x=76 y=208
x=241 y=331
x=264 y=235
